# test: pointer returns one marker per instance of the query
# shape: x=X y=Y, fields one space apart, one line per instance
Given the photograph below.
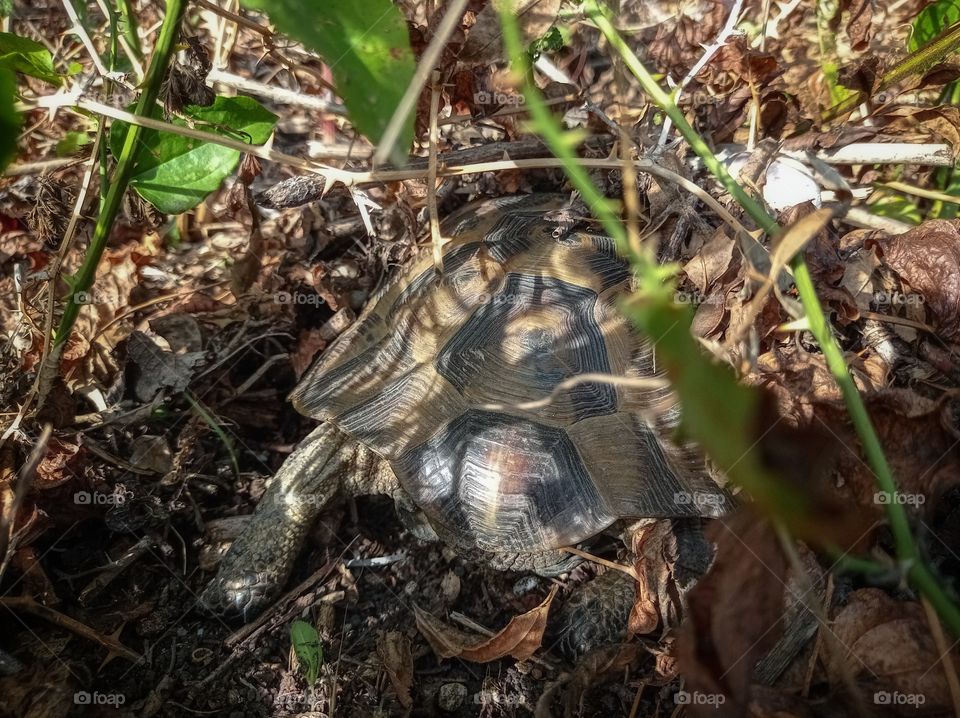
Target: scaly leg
x=259 y=562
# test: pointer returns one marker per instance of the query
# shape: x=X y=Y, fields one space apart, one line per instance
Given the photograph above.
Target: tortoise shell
x=431 y=375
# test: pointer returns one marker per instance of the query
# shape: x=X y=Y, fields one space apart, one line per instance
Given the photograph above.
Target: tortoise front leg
x=259 y=562
x=596 y=613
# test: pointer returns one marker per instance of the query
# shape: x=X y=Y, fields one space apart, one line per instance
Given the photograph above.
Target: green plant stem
x=130 y=27
x=907 y=550
x=657 y=313
x=83 y=279
x=916 y=63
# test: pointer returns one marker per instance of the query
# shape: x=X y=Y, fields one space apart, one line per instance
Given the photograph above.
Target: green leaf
x=176 y=173
x=9 y=118
x=21 y=54
x=367 y=47
x=72 y=142
x=719 y=414
x=306 y=643
x=932 y=21
x=895 y=206
x=551 y=41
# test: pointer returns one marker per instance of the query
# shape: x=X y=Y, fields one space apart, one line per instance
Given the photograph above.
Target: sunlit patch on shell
x=502 y=483
x=532 y=335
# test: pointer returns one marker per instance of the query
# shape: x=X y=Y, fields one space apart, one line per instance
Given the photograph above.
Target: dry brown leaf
x=309 y=344
x=520 y=638
x=734 y=611
x=859 y=28
x=670 y=559
x=887 y=645
x=928 y=259
x=59 y=464
x=153 y=369
x=920 y=124
x=394 y=651
x=711 y=262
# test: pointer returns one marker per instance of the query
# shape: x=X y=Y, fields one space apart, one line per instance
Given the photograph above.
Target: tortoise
x=452 y=393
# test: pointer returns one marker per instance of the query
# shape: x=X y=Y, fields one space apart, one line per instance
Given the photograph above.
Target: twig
x=12 y=507
x=435 y=238
x=80 y=31
x=239 y=19
x=26 y=603
x=709 y=52
x=876 y=153
x=83 y=280
x=918 y=192
x=38 y=167
x=946 y=654
x=629 y=570
x=630 y=382
x=428 y=61
x=277 y=94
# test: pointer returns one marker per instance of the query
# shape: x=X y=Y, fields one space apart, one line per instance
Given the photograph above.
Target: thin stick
x=12 y=507
x=946 y=654
x=652 y=384
x=25 y=603
x=350 y=178
x=80 y=31
x=436 y=239
x=708 y=54
x=239 y=19
x=629 y=570
x=278 y=94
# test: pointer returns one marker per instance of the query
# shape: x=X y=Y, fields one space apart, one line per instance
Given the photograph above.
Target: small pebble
x=345 y=269
x=450 y=587
x=451 y=696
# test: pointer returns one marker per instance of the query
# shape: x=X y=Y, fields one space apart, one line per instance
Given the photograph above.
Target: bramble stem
x=84 y=278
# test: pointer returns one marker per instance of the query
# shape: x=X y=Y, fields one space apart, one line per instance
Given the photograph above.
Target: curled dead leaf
x=888 y=647
x=928 y=259
x=519 y=639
